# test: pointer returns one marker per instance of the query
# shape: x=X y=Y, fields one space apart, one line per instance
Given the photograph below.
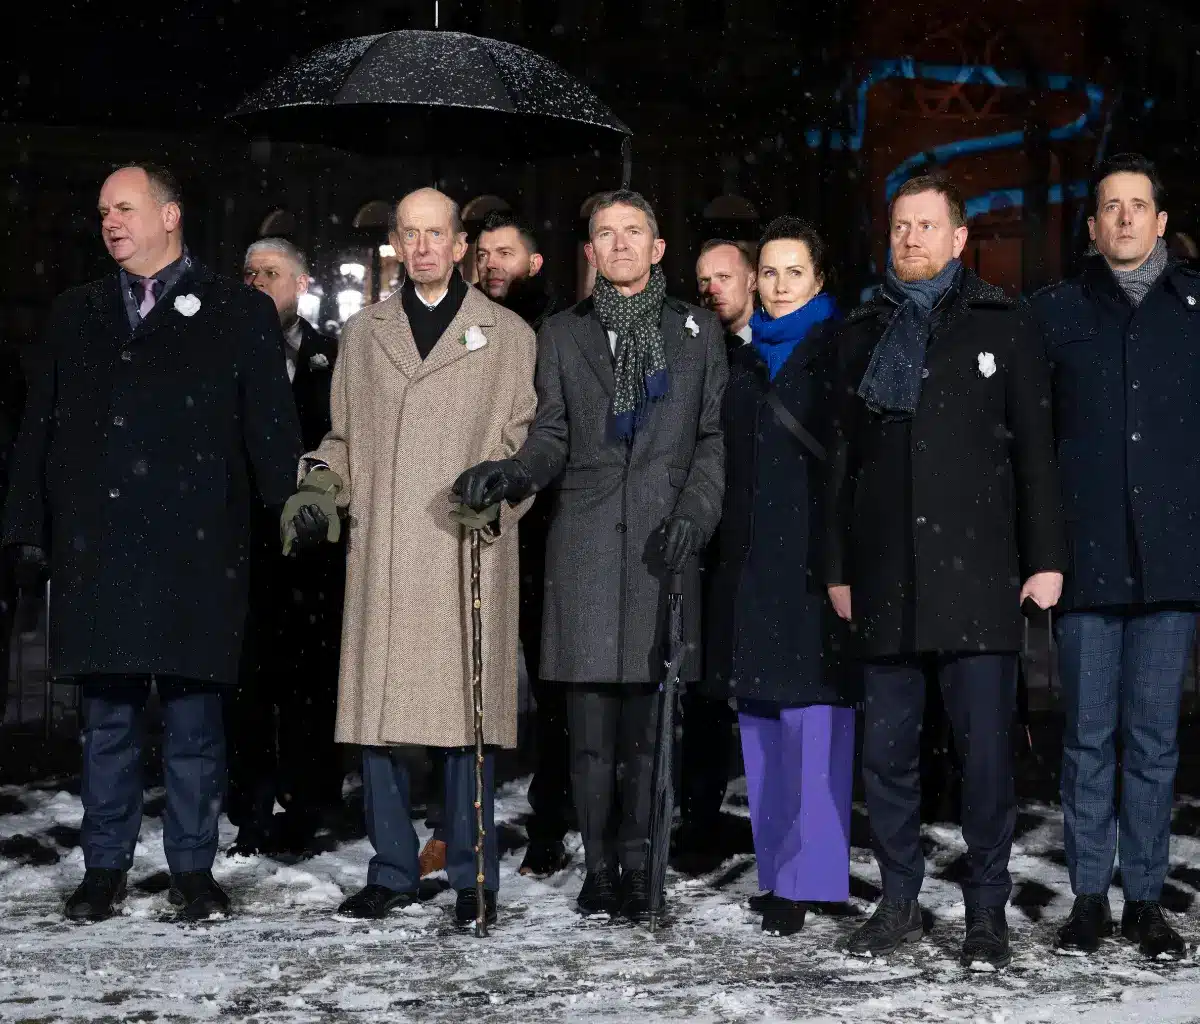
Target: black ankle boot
x=1143 y=922
x=94 y=900
x=894 y=923
x=986 y=944
x=1089 y=922
x=784 y=917
x=599 y=894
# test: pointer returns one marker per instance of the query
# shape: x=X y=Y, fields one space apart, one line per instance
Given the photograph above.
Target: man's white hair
x=282 y=246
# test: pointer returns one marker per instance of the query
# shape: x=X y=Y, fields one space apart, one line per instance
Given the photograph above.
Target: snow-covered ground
x=284 y=958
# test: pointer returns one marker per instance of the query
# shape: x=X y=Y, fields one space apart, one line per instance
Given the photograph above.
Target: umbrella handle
x=675 y=584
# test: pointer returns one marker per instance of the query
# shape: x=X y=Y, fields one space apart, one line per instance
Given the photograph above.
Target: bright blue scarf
x=776 y=340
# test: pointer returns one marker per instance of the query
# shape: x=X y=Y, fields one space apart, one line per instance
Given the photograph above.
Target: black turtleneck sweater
x=428 y=325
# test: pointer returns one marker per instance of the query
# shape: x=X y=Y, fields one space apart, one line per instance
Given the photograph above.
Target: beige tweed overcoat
x=403 y=430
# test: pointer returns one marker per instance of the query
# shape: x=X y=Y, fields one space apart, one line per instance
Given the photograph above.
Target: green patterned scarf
x=640 y=369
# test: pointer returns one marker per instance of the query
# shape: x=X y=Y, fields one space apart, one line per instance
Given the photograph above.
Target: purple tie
x=149 y=285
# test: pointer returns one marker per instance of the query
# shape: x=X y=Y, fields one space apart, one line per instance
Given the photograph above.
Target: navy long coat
x=770 y=631
x=135 y=467
x=1127 y=423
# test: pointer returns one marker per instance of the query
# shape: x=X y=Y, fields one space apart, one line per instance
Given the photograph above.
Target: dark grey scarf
x=892 y=384
x=1136 y=283
x=640 y=366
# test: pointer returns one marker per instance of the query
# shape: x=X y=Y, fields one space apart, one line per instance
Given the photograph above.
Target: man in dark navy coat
x=293 y=633
x=944 y=517
x=160 y=409
x=1123 y=339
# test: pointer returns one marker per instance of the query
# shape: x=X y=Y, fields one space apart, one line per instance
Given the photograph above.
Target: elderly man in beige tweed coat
x=427 y=383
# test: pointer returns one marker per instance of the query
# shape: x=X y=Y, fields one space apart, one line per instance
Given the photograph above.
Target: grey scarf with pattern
x=640 y=366
x=1136 y=283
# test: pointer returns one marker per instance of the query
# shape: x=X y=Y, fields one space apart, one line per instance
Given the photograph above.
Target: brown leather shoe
x=433 y=857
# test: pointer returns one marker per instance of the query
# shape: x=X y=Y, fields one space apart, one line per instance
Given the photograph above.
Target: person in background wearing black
x=12 y=400
x=293 y=631
x=510 y=264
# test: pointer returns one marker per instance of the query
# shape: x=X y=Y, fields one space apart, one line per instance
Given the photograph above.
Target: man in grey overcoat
x=628 y=439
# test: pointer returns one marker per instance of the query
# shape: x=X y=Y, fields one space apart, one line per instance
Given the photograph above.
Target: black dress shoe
x=1143 y=922
x=197 y=896
x=251 y=841
x=986 y=944
x=784 y=917
x=1089 y=922
x=466 y=907
x=94 y=899
x=599 y=894
x=697 y=850
x=894 y=923
x=758 y=904
x=544 y=858
x=375 y=902
x=635 y=896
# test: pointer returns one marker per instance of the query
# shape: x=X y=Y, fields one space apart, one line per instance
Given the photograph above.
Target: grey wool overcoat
x=604 y=618
x=403 y=430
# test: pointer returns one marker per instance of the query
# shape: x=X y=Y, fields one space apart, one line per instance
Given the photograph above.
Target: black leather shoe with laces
x=1090 y=921
x=894 y=923
x=374 y=902
x=94 y=900
x=986 y=945
x=1143 y=922
x=197 y=895
x=635 y=896
x=466 y=907
x=599 y=894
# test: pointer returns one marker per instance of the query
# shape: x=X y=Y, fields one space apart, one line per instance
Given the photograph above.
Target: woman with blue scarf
x=773 y=638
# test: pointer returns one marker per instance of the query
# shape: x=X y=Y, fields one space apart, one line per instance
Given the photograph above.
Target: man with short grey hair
x=628 y=431
x=289 y=661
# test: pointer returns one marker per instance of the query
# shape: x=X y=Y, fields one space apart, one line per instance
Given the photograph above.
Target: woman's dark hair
x=797 y=229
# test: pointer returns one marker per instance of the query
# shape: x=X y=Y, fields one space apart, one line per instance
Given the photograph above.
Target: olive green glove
x=310 y=515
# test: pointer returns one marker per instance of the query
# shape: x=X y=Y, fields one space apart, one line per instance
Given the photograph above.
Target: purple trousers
x=799 y=775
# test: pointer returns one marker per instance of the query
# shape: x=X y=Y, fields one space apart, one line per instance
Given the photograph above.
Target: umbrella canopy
x=432 y=94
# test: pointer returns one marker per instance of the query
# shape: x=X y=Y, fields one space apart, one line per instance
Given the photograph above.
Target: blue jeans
x=1120 y=671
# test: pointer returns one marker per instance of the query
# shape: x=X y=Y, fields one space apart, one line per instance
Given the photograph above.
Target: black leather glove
x=681 y=540
x=489 y=482
x=311 y=525
x=30 y=566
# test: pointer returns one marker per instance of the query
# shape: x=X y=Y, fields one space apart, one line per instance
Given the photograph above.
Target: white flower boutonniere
x=987 y=364
x=693 y=328
x=188 y=304
x=474 y=339
x=319 y=362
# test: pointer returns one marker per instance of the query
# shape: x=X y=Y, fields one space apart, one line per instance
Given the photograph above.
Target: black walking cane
x=474 y=523
x=663 y=805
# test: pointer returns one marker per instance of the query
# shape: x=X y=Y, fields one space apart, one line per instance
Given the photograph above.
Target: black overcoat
x=936 y=520
x=135 y=468
x=1127 y=423
x=770 y=631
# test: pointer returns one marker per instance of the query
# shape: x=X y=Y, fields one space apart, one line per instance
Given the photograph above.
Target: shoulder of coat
x=981 y=295
x=873 y=307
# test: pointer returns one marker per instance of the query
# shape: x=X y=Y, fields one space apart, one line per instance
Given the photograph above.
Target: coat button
x=924 y=373
x=126 y=356
x=1191 y=300
x=1137 y=488
x=118 y=421
x=1136 y=384
x=921 y=520
x=621 y=527
x=114 y=492
x=1135 y=436
x=921 y=446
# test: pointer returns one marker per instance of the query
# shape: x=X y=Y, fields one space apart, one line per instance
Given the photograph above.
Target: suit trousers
x=1121 y=675
x=612 y=727
x=389 y=820
x=979 y=691
x=707 y=747
x=114 y=730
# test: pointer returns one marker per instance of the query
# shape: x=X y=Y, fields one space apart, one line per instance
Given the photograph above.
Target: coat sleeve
x=514 y=432
x=270 y=425
x=841 y=475
x=544 y=452
x=703 y=492
x=1041 y=541
x=26 y=520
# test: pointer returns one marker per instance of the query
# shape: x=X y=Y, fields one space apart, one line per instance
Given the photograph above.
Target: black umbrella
x=434 y=94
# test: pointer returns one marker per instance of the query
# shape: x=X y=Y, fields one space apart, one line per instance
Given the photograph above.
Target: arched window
x=375 y=214
x=279 y=223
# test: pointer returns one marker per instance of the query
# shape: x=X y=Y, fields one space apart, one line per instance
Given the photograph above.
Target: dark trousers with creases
x=707 y=748
x=979 y=691
x=114 y=734
x=612 y=728
x=550 y=787
x=388 y=809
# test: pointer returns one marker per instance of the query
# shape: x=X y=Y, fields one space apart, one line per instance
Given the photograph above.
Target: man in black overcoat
x=293 y=632
x=160 y=409
x=944 y=517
